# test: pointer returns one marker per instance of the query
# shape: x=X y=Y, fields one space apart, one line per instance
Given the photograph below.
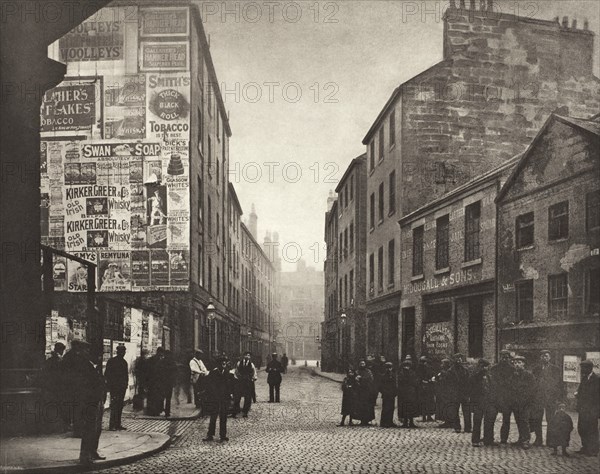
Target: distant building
x=301 y=312
x=331 y=353
x=548 y=285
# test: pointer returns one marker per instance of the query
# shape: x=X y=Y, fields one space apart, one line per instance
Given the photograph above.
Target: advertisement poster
x=99 y=38
x=59 y=272
x=164 y=56
x=168 y=106
x=595 y=358
x=164 y=21
x=125 y=107
x=69 y=107
x=179 y=264
x=140 y=269
x=438 y=340
x=114 y=271
x=159 y=268
x=156 y=216
x=571 y=370
x=77 y=272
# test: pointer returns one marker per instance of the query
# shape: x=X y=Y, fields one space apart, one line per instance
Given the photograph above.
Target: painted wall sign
x=453 y=279
x=166 y=21
x=438 y=340
x=69 y=107
x=164 y=56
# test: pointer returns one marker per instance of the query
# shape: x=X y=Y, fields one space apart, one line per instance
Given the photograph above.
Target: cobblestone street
x=299 y=436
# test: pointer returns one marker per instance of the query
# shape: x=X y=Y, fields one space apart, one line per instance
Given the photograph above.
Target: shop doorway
x=476 y=327
x=408 y=332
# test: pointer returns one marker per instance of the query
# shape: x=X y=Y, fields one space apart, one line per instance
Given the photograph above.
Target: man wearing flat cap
x=388 y=388
x=521 y=394
x=220 y=385
x=588 y=407
x=500 y=375
x=550 y=390
x=274 y=370
x=461 y=375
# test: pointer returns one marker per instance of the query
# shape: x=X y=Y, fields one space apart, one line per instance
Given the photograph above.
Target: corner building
x=500 y=78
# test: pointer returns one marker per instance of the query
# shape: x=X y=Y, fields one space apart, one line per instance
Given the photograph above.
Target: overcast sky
x=303 y=85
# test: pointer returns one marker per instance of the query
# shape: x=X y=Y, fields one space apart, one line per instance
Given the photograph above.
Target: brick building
x=331 y=354
x=135 y=148
x=498 y=81
x=548 y=281
x=448 y=267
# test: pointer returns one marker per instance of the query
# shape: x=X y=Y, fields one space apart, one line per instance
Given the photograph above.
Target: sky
x=303 y=81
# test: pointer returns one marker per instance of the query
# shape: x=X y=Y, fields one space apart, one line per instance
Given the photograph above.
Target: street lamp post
x=343 y=319
x=210 y=312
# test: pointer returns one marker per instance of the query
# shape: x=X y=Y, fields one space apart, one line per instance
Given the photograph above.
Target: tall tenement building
x=135 y=159
x=500 y=78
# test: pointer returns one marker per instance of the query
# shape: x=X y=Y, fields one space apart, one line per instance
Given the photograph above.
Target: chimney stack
x=482 y=5
x=490 y=5
x=574 y=24
x=472 y=5
x=557 y=20
x=462 y=4
x=586 y=24
x=565 y=22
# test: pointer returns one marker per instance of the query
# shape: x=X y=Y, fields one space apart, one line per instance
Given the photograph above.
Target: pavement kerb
x=325 y=375
x=75 y=467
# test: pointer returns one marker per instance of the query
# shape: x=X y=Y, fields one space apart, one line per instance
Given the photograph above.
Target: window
x=381 y=203
x=592 y=291
x=371 y=273
x=592 y=210
x=524 y=295
x=372 y=209
x=200 y=194
x=392 y=191
x=200 y=257
x=351 y=289
x=209 y=216
x=417 y=257
x=210 y=275
x=346 y=196
x=381 y=144
x=341 y=290
x=372 y=155
x=351 y=187
x=437 y=313
x=524 y=230
x=442 y=242
x=200 y=130
x=210 y=163
x=392 y=127
x=346 y=242
x=380 y=269
x=345 y=290
x=472 y=216
x=218 y=223
x=341 y=246
x=218 y=283
x=391 y=257
x=557 y=296
x=558 y=221
x=351 y=238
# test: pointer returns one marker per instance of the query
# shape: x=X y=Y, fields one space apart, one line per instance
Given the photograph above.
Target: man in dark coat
x=169 y=379
x=140 y=371
x=588 y=407
x=274 y=370
x=88 y=392
x=462 y=379
x=378 y=370
x=50 y=381
x=550 y=391
x=156 y=374
x=388 y=388
x=245 y=374
x=425 y=376
x=500 y=375
x=479 y=396
x=220 y=386
x=285 y=361
x=117 y=380
x=408 y=400
x=364 y=382
x=521 y=394
x=446 y=394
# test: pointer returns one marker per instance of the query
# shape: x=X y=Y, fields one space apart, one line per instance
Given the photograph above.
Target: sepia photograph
x=359 y=236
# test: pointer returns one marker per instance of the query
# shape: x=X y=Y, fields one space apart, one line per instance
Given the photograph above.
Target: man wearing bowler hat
x=588 y=407
x=274 y=370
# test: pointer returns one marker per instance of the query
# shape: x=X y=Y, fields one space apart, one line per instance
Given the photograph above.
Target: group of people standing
x=481 y=393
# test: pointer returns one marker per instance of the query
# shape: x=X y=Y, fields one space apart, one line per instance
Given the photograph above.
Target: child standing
x=559 y=430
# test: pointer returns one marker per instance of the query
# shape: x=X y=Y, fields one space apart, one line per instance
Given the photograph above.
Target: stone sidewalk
x=60 y=452
x=183 y=411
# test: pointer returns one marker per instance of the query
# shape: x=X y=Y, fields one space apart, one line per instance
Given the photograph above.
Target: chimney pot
x=565 y=22
x=586 y=24
x=557 y=19
x=490 y=5
x=574 y=24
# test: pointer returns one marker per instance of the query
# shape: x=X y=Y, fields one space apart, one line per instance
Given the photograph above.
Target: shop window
x=558 y=221
x=592 y=210
x=437 y=313
x=524 y=230
x=593 y=291
x=558 y=296
x=442 y=242
x=472 y=217
x=524 y=295
x=417 y=257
